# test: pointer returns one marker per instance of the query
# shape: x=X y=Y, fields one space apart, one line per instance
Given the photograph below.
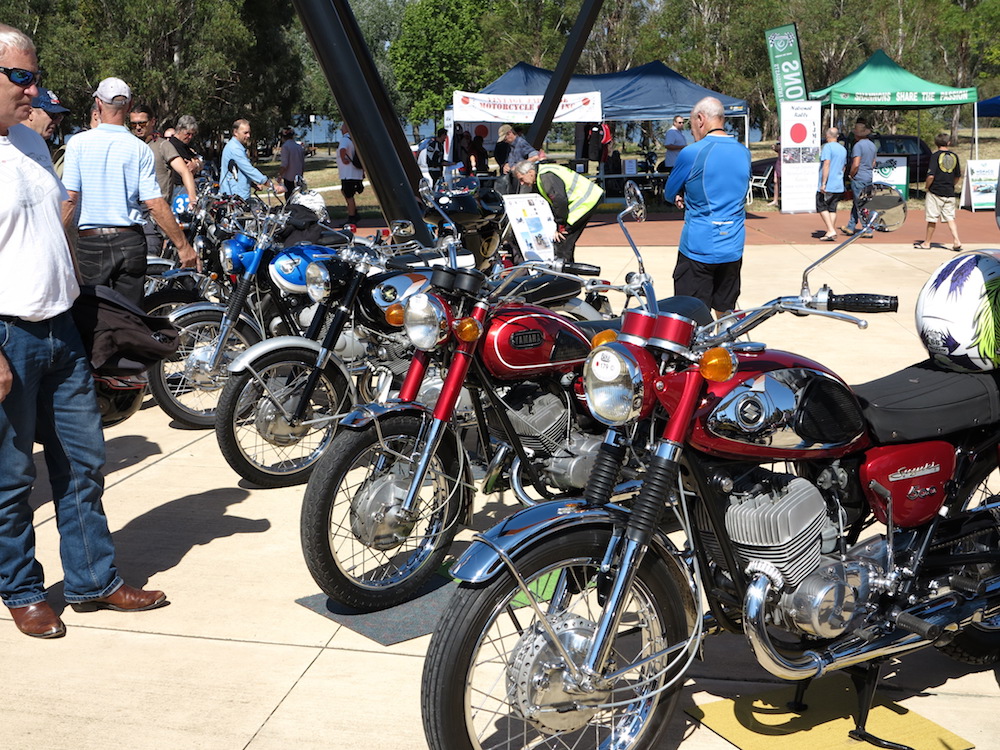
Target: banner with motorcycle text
x=468 y=106
x=979 y=189
x=801 y=143
x=786 y=64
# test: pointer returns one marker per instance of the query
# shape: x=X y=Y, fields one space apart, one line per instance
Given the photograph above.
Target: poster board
x=979 y=188
x=800 y=149
x=531 y=222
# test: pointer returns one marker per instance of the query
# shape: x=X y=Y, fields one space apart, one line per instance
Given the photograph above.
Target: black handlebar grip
x=863 y=303
x=581 y=269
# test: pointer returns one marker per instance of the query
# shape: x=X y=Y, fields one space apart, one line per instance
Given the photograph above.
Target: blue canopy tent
x=988 y=107
x=649 y=92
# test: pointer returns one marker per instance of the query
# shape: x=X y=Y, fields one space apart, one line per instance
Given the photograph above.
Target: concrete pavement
x=235 y=663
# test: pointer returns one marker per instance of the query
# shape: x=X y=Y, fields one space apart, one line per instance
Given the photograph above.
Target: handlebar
x=863 y=303
x=581 y=269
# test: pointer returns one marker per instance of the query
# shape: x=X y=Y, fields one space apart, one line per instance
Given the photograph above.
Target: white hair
x=14 y=40
x=710 y=107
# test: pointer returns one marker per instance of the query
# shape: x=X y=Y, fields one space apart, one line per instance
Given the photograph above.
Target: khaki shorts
x=939 y=209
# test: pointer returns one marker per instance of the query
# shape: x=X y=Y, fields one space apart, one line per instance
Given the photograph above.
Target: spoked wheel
x=255 y=424
x=361 y=546
x=493 y=678
x=185 y=386
x=979 y=643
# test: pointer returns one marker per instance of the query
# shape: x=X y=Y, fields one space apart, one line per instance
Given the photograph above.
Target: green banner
x=786 y=64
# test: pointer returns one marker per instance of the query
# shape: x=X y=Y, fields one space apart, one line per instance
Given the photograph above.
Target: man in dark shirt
x=943 y=174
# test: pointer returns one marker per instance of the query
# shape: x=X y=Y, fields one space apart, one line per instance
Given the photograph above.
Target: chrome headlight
x=317 y=282
x=613 y=381
x=227 y=256
x=425 y=320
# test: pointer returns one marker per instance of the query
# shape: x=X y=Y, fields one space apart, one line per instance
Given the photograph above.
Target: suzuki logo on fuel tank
x=903 y=473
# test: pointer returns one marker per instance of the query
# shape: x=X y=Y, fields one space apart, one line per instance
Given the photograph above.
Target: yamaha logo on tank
x=526 y=339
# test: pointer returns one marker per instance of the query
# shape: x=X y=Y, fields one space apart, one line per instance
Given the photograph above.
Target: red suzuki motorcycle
x=577 y=620
x=495 y=385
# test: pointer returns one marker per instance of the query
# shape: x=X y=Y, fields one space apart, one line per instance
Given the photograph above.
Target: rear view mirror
x=889 y=204
x=634 y=201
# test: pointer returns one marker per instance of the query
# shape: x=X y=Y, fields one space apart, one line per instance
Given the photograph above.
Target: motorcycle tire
x=164 y=301
x=256 y=438
x=188 y=402
x=358 y=550
x=491 y=678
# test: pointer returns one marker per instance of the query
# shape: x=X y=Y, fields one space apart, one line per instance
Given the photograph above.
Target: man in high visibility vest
x=572 y=196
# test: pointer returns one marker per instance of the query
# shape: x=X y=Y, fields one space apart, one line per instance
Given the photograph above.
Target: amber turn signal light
x=717 y=365
x=467 y=329
x=394 y=315
x=603 y=337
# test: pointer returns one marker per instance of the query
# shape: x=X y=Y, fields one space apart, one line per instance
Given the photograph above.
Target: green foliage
x=436 y=53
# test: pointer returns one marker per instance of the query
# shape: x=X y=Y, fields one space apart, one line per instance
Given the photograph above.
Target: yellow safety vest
x=581 y=193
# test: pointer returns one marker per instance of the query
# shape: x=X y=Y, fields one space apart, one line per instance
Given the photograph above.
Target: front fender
x=365 y=414
x=542 y=524
x=262 y=348
x=178 y=314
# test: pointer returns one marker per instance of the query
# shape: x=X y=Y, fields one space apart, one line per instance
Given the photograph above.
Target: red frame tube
x=414 y=375
x=682 y=419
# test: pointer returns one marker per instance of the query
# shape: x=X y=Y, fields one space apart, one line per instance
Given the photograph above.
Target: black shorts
x=715 y=284
x=827 y=202
x=350 y=188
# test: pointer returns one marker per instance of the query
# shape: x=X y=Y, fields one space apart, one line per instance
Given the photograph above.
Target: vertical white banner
x=979 y=189
x=801 y=142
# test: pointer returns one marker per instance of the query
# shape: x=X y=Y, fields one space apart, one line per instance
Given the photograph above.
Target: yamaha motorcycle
x=576 y=620
x=495 y=385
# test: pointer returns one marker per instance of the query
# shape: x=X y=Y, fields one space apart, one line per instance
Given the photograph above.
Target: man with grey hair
x=710 y=181
x=176 y=161
x=46 y=388
x=573 y=199
x=110 y=173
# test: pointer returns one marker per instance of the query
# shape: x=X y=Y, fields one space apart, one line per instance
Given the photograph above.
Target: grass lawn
x=321 y=172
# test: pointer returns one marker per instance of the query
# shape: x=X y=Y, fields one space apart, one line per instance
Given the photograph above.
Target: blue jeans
x=52 y=402
x=857 y=186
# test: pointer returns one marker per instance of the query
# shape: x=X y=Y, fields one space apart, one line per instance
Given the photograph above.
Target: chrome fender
x=178 y=314
x=364 y=414
x=262 y=348
x=541 y=524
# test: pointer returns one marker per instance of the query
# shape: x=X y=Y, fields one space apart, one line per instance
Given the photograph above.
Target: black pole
x=347 y=64
x=563 y=72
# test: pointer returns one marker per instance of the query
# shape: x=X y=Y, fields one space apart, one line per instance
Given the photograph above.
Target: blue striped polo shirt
x=113 y=171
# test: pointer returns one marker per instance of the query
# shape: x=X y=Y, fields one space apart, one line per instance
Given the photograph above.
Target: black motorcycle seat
x=423 y=258
x=687 y=307
x=546 y=289
x=335 y=238
x=923 y=401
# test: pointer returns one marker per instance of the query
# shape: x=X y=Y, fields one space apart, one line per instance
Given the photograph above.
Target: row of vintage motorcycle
x=402 y=382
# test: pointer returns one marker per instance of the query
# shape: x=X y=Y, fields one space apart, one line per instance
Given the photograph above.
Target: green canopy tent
x=879 y=83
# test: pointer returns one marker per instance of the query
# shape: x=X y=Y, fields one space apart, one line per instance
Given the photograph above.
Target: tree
x=436 y=53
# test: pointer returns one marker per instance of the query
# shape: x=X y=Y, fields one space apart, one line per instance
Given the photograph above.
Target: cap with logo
x=49 y=101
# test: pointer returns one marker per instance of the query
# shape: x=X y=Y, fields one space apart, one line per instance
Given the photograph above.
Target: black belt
x=10 y=319
x=109 y=230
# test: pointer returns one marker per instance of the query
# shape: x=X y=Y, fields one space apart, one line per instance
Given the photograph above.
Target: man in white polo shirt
x=111 y=173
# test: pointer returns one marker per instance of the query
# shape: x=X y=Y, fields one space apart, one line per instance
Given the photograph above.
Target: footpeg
x=913 y=624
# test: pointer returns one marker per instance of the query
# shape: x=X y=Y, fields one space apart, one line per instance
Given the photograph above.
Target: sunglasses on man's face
x=21 y=77
x=136 y=124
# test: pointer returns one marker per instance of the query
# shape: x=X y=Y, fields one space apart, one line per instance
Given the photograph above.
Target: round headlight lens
x=317 y=282
x=613 y=383
x=425 y=320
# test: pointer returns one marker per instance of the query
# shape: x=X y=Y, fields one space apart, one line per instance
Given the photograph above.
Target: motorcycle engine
x=543 y=422
x=780 y=522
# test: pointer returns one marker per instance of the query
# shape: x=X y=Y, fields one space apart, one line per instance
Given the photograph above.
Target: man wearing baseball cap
x=110 y=174
x=46 y=114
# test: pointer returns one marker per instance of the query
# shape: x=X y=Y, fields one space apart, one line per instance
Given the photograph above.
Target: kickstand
x=865 y=679
x=798 y=704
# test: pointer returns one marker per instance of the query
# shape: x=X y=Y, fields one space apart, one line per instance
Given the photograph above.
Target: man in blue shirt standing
x=235 y=153
x=710 y=181
x=832 y=161
x=861 y=171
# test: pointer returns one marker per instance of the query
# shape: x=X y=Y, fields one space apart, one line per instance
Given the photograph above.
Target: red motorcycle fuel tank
x=525 y=341
x=779 y=406
x=914 y=474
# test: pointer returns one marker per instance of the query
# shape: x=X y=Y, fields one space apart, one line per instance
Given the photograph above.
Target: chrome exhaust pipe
x=517 y=485
x=948 y=612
